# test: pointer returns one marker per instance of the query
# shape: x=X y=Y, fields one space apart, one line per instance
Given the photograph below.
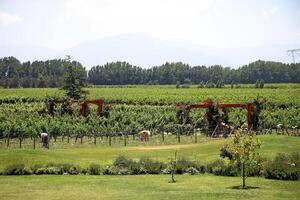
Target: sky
x=62 y=24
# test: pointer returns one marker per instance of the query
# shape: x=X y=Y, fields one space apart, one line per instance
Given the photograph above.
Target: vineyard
x=139 y=108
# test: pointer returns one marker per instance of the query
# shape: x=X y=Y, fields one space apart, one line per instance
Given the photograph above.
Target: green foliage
x=220 y=167
x=244 y=152
x=284 y=167
x=17 y=169
x=74 y=80
x=94 y=169
x=183 y=164
x=149 y=166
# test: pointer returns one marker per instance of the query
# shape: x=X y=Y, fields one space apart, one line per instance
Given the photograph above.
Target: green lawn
x=140 y=186
x=143 y=187
x=204 y=151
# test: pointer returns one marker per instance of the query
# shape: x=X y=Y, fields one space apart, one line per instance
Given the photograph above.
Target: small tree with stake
x=172 y=166
x=242 y=151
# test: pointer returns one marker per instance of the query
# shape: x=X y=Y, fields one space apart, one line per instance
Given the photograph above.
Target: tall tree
x=74 y=80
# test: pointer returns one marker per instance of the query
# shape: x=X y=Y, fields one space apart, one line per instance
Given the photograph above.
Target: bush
x=113 y=170
x=122 y=162
x=65 y=167
x=124 y=166
x=149 y=166
x=94 y=169
x=17 y=169
x=200 y=168
x=220 y=168
x=192 y=171
x=284 y=167
x=49 y=170
x=74 y=170
x=183 y=164
x=35 y=167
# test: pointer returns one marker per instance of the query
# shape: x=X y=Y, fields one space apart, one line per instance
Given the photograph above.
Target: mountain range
x=145 y=51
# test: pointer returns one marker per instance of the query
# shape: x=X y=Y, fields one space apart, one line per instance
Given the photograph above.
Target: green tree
x=74 y=80
x=243 y=152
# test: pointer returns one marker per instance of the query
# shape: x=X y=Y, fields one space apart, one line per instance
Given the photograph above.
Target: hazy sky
x=61 y=24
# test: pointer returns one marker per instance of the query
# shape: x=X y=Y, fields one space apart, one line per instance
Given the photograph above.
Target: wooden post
x=100 y=104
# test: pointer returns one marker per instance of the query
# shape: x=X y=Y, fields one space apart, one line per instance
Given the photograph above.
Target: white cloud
x=7 y=19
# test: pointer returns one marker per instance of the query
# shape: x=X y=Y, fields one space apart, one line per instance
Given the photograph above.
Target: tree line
x=50 y=73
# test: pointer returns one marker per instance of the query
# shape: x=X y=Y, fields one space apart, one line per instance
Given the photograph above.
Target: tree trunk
x=20 y=142
x=125 y=140
x=178 y=137
x=163 y=137
x=68 y=139
x=95 y=140
x=34 y=142
x=244 y=175
x=109 y=140
x=7 y=145
x=81 y=140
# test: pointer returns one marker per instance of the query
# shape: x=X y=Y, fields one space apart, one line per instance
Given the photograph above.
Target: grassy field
x=146 y=186
x=204 y=151
x=143 y=187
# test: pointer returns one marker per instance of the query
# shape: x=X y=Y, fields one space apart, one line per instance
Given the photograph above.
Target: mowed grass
x=204 y=186
x=143 y=187
x=84 y=154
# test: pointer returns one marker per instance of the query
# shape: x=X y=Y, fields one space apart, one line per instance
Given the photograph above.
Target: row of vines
x=21 y=120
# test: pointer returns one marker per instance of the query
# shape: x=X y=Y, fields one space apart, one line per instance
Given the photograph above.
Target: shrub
x=284 y=167
x=113 y=170
x=48 y=170
x=192 y=171
x=200 y=168
x=65 y=167
x=122 y=162
x=220 y=168
x=94 y=169
x=183 y=164
x=35 y=167
x=149 y=166
x=17 y=169
x=74 y=170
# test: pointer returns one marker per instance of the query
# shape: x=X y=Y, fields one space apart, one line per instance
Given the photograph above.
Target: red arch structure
x=83 y=103
x=207 y=103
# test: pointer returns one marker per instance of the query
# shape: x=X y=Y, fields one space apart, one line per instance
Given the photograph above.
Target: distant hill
x=145 y=51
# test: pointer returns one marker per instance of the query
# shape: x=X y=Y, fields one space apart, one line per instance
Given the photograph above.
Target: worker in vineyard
x=45 y=140
x=144 y=135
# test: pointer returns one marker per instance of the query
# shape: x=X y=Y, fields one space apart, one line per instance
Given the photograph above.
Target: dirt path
x=172 y=146
x=165 y=147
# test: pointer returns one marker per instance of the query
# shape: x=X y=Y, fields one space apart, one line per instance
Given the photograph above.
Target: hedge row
x=283 y=167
